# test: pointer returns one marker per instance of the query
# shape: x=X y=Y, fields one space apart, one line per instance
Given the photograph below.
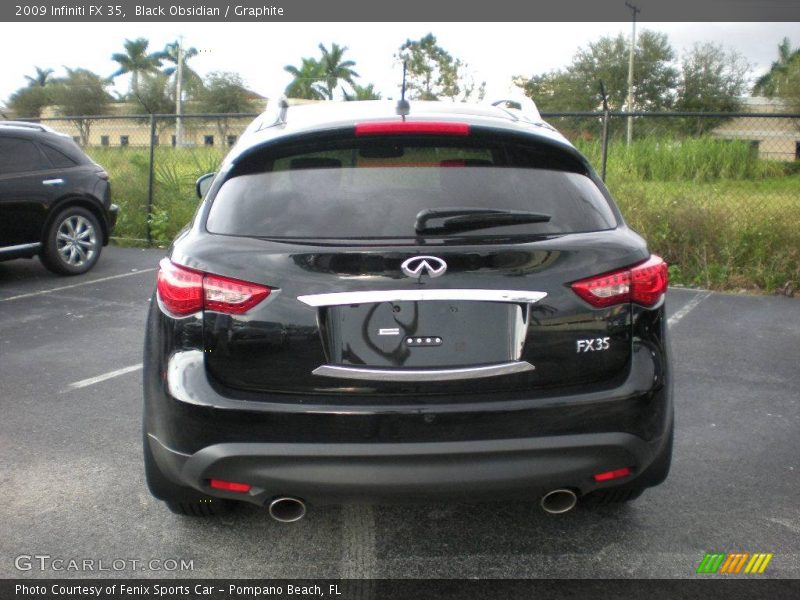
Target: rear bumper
x=391 y=452
x=469 y=470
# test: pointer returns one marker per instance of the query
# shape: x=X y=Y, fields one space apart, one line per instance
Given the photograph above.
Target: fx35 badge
x=593 y=345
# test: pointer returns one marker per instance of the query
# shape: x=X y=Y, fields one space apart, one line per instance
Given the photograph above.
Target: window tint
x=375 y=189
x=18 y=155
x=58 y=159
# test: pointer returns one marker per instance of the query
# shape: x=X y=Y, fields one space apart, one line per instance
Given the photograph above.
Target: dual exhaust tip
x=286 y=509
x=559 y=501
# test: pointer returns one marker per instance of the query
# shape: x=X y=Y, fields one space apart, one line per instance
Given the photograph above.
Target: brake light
x=616 y=474
x=185 y=291
x=231 y=295
x=229 y=486
x=180 y=289
x=643 y=284
x=412 y=127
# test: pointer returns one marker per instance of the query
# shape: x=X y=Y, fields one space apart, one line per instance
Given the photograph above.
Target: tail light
x=412 y=127
x=185 y=291
x=643 y=284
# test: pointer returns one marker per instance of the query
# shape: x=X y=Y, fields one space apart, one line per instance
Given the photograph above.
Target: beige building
x=775 y=138
x=116 y=130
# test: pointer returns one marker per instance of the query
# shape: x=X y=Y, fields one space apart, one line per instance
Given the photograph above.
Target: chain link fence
x=718 y=195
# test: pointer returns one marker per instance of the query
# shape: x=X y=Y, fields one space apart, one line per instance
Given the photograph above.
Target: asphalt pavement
x=72 y=483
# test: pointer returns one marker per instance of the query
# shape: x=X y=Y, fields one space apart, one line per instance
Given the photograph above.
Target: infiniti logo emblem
x=417 y=265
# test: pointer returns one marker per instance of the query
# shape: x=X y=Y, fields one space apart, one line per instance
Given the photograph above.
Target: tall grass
x=174 y=200
x=688 y=159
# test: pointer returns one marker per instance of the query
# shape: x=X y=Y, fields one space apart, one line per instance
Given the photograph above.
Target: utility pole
x=634 y=10
x=179 y=95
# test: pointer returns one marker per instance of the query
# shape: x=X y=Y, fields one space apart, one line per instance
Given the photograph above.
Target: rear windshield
x=375 y=188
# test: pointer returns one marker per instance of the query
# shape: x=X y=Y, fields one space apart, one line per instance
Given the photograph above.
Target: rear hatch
x=407 y=263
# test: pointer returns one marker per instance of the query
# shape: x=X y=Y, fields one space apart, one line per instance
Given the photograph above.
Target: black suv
x=380 y=303
x=54 y=200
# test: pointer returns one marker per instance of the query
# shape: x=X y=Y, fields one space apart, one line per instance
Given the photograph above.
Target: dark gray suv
x=54 y=200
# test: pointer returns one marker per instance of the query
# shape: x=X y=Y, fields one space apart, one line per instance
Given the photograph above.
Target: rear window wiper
x=466 y=219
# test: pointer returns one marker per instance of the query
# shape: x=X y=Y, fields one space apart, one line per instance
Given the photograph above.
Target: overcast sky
x=258 y=51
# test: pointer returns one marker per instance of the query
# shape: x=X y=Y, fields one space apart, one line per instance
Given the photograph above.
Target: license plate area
x=424 y=334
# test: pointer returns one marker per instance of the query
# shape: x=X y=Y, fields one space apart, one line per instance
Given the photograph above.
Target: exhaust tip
x=559 y=501
x=287 y=510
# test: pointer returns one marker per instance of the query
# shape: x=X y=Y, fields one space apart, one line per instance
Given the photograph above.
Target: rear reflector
x=412 y=127
x=623 y=472
x=229 y=486
x=185 y=291
x=643 y=284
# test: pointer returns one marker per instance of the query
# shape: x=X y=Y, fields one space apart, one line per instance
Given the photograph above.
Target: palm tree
x=40 y=79
x=366 y=92
x=136 y=61
x=334 y=68
x=308 y=80
x=191 y=81
x=769 y=84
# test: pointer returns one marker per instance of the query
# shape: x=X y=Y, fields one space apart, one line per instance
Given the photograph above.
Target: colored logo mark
x=735 y=563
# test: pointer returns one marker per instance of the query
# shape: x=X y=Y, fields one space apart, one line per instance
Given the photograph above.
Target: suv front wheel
x=73 y=242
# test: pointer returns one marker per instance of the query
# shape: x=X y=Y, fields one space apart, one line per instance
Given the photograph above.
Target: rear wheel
x=179 y=499
x=73 y=242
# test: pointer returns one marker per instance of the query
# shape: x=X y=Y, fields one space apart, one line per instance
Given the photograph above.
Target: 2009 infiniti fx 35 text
x=441 y=304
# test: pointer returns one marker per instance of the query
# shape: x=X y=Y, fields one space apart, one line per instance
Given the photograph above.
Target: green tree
x=81 y=95
x=28 y=102
x=136 y=61
x=711 y=80
x=783 y=78
x=155 y=97
x=335 y=69
x=366 y=92
x=308 y=81
x=576 y=87
x=433 y=73
x=225 y=93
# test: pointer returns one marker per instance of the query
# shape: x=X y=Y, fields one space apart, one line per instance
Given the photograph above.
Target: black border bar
x=396 y=11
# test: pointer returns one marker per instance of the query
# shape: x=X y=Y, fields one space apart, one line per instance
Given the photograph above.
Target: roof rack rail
x=27 y=125
x=519 y=103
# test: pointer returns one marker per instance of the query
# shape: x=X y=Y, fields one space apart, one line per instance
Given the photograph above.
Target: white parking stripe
x=687 y=308
x=74 y=285
x=110 y=375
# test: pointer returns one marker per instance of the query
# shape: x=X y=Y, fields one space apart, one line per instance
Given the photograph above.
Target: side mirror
x=203 y=183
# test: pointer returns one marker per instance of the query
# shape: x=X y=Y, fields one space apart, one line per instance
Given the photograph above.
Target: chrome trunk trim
x=411 y=375
x=416 y=295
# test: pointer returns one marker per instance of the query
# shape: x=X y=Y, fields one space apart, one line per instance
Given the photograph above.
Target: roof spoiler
x=520 y=104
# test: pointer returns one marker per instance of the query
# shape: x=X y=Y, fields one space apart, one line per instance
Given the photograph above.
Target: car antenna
x=403 y=107
x=283 y=103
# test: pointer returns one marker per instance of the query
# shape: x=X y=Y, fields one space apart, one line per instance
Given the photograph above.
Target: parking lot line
x=74 y=285
x=110 y=375
x=687 y=308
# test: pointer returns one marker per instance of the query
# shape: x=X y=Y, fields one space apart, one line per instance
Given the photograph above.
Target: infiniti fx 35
x=389 y=304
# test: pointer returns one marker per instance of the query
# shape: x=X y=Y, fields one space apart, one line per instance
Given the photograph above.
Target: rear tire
x=179 y=499
x=73 y=242
x=654 y=474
